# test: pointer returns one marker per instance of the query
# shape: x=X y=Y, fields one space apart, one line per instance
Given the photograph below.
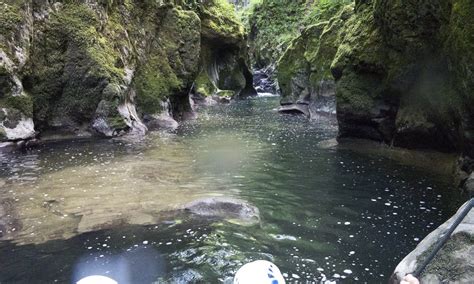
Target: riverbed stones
x=224 y=208
x=453 y=264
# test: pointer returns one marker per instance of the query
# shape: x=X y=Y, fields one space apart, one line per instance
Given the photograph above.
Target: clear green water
x=326 y=214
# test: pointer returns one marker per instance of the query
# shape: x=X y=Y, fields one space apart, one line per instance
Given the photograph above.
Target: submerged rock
x=225 y=208
x=295 y=109
x=9 y=223
x=453 y=264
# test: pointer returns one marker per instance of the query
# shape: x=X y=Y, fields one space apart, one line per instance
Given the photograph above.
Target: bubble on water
x=145 y=242
x=351 y=252
x=347 y=223
x=348 y=271
x=296 y=276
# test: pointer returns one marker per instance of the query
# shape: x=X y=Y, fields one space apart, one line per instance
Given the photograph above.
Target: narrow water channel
x=74 y=208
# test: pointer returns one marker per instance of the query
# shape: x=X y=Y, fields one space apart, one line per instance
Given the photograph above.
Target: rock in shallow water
x=453 y=264
x=225 y=208
x=295 y=109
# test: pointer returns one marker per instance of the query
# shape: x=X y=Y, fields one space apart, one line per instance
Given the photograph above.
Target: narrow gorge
x=175 y=141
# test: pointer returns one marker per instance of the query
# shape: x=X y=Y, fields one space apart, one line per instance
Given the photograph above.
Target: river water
x=70 y=209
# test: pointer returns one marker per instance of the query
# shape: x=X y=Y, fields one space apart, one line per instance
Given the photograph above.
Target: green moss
x=293 y=65
x=226 y=93
x=204 y=85
x=10 y=18
x=71 y=64
x=219 y=21
x=274 y=24
x=22 y=103
x=306 y=62
x=459 y=41
x=155 y=81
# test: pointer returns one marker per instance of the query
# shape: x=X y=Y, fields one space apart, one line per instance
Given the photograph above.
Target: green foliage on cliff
x=305 y=65
x=274 y=24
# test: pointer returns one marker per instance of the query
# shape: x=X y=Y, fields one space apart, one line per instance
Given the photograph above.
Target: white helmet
x=259 y=272
x=97 y=279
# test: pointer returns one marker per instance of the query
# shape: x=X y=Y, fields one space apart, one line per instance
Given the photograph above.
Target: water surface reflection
x=326 y=213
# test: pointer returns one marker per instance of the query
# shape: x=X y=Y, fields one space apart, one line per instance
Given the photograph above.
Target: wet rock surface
x=264 y=80
x=75 y=67
x=453 y=264
x=295 y=109
x=225 y=208
x=469 y=185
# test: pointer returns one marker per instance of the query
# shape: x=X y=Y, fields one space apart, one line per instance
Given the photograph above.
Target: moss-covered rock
x=224 y=56
x=72 y=63
x=458 y=37
x=273 y=25
x=86 y=64
x=220 y=23
x=395 y=69
x=304 y=72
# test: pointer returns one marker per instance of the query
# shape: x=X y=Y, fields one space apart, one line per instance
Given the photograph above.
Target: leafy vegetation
x=274 y=24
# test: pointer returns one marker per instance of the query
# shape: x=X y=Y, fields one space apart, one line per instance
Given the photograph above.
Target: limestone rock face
x=101 y=66
x=453 y=264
